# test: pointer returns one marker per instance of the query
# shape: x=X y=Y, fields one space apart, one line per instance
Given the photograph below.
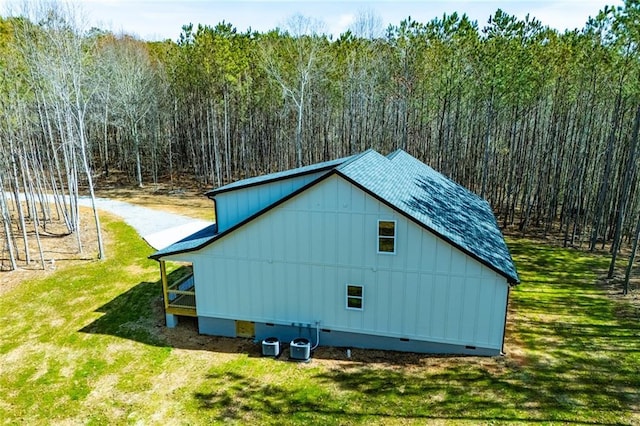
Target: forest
x=542 y=124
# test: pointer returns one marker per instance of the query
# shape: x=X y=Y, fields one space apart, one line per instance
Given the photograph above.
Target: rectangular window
x=355 y=295
x=386 y=236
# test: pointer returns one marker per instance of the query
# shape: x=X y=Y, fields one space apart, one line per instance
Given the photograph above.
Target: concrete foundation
x=286 y=333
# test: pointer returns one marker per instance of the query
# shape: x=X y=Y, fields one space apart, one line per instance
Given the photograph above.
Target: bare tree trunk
x=136 y=142
x=34 y=214
x=227 y=137
x=18 y=201
x=625 y=193
x=606 y=173
x=627 y=275
x=87 y=170
x=6 y=220
x=106 y=140
x=487 y=146
x=299 y=135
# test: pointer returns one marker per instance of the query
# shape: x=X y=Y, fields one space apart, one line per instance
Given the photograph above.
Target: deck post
x=172 y=320
x=165 y=286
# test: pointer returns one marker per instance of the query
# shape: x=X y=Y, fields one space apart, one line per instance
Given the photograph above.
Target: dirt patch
x=183 y=196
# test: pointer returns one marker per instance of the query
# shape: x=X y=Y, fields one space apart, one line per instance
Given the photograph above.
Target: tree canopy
x=540 y=123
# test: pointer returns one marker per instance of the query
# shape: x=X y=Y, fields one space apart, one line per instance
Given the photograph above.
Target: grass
x=86 y=345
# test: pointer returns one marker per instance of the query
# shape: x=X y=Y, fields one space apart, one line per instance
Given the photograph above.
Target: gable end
x=510 y=279
x=223 y=234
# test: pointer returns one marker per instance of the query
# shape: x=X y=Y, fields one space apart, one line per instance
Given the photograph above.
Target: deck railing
x=181 y=297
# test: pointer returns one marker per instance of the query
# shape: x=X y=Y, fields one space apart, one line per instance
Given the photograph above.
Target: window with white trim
x=387 y=236
x=355 y=297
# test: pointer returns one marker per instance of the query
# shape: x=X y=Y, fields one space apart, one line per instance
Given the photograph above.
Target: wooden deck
x=180 y=297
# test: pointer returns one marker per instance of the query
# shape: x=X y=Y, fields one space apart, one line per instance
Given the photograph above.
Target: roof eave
x=173 y=253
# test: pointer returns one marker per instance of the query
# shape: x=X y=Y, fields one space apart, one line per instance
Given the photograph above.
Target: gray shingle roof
x=190 y=243
x=430 y=199
x=436 y=202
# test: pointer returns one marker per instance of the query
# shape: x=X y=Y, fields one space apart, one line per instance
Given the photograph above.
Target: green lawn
x=86 y=346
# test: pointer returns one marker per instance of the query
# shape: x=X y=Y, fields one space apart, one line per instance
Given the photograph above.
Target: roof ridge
x=353 y=158
x=393 y=154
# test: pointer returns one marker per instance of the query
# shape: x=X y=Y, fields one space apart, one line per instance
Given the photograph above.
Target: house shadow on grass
x=402 y=387
x=138 y=314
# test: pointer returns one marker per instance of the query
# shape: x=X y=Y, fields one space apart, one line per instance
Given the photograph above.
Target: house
x=367 y=251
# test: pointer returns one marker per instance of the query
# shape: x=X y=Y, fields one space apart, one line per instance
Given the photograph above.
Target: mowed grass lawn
x=86 y=346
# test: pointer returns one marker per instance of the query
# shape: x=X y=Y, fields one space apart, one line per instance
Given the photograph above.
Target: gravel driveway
x=158 y=228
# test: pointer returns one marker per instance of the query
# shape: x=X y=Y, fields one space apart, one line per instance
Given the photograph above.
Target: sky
x=163 y=19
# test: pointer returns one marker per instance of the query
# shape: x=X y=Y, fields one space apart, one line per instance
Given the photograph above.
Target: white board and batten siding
x=234 y=206
x=292 y=265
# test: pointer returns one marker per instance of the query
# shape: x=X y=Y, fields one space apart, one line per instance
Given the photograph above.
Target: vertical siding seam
x=491 y=313
x=464 y=296
x=432 y=279
x=477 y=314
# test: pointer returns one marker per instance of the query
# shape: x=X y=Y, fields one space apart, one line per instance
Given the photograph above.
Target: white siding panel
x=293 y=263
x=439 y=305
x=329 y=255
x=235 y=206
x=413 y=250
x=458 y=261
x=329 y=196
x=287 y=226
x=470 y=311
x=279 y=240
x=234 y=289
x=357 y=201
x=428 y=252
x=425 y=307
x=443 y=257
x=473 y=267
x=317 y=289
x=304 y=230
x=357 y=246
x=255 y=289
x=269 y=294
x=343 y=197
x=290 y=296
x=454 y=299
x=410 y=310
x=344 y=252
x=403 y=242
x=243 y=292
x=279 y=310
x=383 y=306
x=498 y=313
x=398 y=303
